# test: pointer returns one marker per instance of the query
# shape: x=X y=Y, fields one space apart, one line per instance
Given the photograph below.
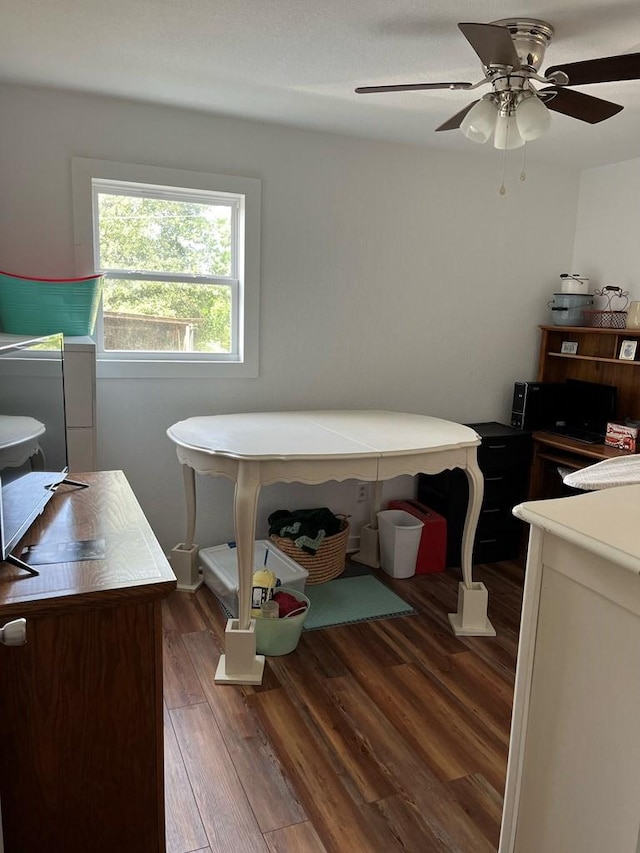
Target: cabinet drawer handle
x=14 y=633
x=487 y=511
x=495 y=446
x=486 y=541
x=493 y=479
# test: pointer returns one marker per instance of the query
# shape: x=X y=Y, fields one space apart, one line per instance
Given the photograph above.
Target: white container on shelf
x=399 y=534
x=573 y=283
x=220 y=570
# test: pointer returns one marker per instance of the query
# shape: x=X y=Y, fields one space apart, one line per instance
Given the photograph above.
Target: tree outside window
x=170 y=269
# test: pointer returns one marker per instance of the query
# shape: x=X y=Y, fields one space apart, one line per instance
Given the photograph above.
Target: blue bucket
x=43 y=306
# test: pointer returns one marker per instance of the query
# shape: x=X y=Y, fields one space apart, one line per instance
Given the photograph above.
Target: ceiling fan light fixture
x=480 y=121
x=507 y=135
x=532 y=118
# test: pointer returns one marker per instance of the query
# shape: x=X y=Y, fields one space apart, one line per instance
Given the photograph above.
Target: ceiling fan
x=515 y=111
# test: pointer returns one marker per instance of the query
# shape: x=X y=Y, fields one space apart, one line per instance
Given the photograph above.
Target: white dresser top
x=606 y=522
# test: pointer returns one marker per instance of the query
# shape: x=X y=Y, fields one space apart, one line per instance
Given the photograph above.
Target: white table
x=257 y=449
x=19 y=440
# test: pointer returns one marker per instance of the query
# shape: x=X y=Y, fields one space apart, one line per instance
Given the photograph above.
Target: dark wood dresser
x=504 y=457
x=81 y=734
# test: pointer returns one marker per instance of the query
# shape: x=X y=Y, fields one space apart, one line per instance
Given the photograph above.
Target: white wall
x=608 y=227
x=393 y=277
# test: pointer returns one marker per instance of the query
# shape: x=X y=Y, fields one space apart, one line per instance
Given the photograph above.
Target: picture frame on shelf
x=628 y=350
x=569 y=347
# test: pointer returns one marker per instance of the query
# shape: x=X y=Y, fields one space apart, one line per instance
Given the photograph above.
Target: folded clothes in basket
x=306 y=527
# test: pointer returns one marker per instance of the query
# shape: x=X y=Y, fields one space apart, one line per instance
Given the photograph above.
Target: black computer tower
x=537 y=405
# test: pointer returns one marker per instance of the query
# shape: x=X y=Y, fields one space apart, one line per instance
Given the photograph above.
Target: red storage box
x=432 y=552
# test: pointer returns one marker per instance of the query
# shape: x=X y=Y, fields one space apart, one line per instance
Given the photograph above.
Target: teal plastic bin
x=42 y=306
x=280 y=636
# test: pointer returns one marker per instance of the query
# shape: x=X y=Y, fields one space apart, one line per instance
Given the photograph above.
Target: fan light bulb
x=479 y=122
x=507 y=135
x=532 y=118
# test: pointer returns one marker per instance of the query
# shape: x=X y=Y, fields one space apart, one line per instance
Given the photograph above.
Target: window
x=180 y=254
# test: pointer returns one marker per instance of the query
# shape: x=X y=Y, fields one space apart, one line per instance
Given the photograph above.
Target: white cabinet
x=80 y=402
x=573 y=775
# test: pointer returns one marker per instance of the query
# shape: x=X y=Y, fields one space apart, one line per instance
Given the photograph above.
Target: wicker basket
x=604 y=319
x=328 y=561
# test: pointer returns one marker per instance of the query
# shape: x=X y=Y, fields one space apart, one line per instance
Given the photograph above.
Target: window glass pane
x=161 y=316
x=159 y=235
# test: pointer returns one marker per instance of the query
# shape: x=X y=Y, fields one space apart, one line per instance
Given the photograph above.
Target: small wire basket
x=604 y=319
x=607 y=318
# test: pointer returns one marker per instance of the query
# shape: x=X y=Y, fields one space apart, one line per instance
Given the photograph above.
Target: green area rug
x=352 y=599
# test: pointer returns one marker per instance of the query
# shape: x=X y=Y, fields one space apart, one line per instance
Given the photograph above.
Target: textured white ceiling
x=298 y=61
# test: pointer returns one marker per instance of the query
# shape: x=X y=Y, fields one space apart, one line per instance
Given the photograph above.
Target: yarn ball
x=264 y=578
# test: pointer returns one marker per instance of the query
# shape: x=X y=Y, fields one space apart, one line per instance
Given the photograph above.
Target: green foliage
x=154 y=235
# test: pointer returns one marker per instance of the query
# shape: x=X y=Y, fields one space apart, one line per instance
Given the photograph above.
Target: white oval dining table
x=19 y=439
x=260 y=448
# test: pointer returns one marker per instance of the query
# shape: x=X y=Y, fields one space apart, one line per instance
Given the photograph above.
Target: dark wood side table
x=81 y=735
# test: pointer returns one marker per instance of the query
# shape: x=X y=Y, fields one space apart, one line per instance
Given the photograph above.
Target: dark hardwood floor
x=389 y=735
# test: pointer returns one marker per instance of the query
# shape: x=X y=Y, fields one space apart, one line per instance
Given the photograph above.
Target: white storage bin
x=399 y=534
x=220 y=570
x=573 y=283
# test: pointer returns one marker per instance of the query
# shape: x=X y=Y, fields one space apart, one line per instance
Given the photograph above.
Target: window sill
x=139 y=369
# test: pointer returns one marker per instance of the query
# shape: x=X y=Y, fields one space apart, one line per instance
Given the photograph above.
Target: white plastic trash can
x=399 y=534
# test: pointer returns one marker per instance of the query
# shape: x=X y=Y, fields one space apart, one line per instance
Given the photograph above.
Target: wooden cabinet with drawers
x=81 y=725
x=504 y=457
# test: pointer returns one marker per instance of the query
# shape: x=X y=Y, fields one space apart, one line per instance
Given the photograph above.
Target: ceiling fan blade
x=606 y=70
x=412 y=87
x=492 y=43
x=580 y=106
x=456 y=120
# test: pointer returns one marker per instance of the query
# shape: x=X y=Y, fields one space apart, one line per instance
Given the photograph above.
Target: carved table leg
x=189 y=479
x=240 y=664
x=471 y=620
x=184 y=557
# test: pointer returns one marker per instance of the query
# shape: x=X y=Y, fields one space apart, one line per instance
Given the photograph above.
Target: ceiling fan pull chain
x=503 y=189
x=523 y=174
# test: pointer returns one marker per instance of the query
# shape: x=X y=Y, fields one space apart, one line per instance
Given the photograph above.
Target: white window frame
x=233 y=201
x=89 y=175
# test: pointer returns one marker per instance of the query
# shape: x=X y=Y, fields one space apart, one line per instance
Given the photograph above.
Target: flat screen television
x=33 y=447
x=588 y=407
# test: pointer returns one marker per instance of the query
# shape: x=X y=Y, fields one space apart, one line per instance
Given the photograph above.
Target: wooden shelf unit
x=595 y=361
